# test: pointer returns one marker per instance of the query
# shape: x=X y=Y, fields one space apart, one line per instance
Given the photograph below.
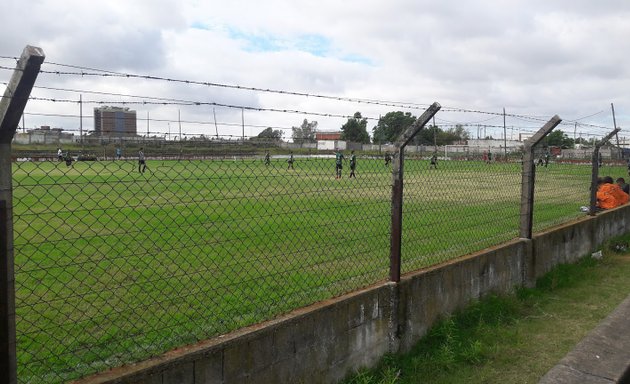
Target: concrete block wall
x=568 y=242
x=317 y=344
x=325 y=342
x=563 y=244
x=441 y=290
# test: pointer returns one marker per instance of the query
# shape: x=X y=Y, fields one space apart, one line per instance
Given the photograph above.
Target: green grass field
x=114 y=266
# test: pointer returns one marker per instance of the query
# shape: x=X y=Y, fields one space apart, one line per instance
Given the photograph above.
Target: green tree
x=452 y=135
x=434 y=135
x=429 y=135
x=305 y=133
x=391 y=125
x=458 y=133
x=355 y=129
x=559 y=139
x=269 y=134
x=582 y=141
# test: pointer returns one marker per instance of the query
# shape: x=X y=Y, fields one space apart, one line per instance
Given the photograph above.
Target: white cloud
x=532 y=57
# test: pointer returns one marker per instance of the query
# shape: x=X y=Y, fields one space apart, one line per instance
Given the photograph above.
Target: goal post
x=459 y=152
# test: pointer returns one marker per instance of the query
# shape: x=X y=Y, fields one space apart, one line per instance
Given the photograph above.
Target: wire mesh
x=114 y=264
x=562 y=187
x=457 y=204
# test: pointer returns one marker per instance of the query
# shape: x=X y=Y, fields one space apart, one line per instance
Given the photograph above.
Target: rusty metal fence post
x=11 y=108
x=595 y=171
x=397 y=188
x=529 y=176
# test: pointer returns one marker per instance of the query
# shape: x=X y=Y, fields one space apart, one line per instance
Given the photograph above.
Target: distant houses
x=329 y=141
x=43 y=135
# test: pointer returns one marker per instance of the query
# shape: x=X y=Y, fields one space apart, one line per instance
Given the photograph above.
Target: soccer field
x=114 y=266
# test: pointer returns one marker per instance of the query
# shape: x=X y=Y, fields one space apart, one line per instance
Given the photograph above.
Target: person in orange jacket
x=610 y=195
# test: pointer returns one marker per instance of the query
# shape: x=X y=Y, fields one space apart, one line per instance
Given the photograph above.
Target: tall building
x=114 y=121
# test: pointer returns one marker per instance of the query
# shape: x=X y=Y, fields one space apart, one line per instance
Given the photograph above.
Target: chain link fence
x=456 y=207
x=116 y=263
x=118 y=260
x=562 y=187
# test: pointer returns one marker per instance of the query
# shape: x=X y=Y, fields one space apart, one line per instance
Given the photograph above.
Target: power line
x=400 y=104
x=405 y=105
x=196 y=103
x=197 y=122
x=87 y=71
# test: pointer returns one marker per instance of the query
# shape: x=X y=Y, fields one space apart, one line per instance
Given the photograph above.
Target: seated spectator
x=609 y=195
x=621 y=182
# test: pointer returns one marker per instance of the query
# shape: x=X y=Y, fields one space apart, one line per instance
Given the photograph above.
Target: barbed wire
x=161 y=120
x=241 y=87
x=169 y=101
x=190 y=102
x=451 y=125
x=389 y=103
x=521 y=129
x=197 y=103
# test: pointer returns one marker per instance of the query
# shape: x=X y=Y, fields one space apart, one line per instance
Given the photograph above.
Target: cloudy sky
x=534 y=58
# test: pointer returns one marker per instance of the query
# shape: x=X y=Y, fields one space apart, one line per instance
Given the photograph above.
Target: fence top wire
x=594 y=130
x=401 y=104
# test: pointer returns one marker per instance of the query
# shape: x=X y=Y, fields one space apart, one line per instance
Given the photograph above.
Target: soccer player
x=290 y=161
x=59 y=154
x=434 y=161
x=353 y=164
x=547 y=155
x=67 y=158
x=267 y=158
x=621 y=182
x=118 y=153
x=142 y=165
x=338 y=164
x=388 y=159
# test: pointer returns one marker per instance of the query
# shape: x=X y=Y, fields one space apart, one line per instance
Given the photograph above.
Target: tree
x=269 y=134
x=355 y=129
x=452 y=135
x=428 y=136
x=434 y=135
x=305 y=133
x=559 y=139
x=391 y=125
x=582 y=141
x=458 y=133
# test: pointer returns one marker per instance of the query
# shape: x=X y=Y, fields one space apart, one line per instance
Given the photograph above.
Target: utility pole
x=434 y=136
x=81 y=119
x=216 y=128
x=504 y=137
x=147 y=123
x=615 y=127
x=243 y=122
x=179 y=120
